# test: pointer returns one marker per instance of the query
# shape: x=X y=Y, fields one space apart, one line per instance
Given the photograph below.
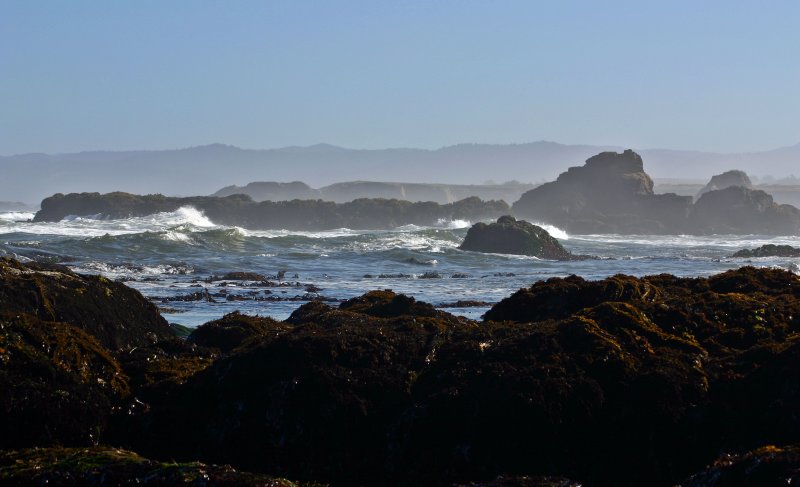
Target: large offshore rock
x=116 y=315
x=726 y=180
x=611 y=193
x=740 y=210
x=511 y=236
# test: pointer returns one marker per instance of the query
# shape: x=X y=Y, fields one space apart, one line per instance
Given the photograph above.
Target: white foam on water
x=453 y=224
x=554 y=231
x=12 y=216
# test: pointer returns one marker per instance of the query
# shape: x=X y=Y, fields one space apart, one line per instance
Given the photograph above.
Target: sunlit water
x=174 y=254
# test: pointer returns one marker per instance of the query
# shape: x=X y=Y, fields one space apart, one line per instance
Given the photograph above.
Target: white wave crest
x=554 y=231
x=13 y=216
x=453 y=224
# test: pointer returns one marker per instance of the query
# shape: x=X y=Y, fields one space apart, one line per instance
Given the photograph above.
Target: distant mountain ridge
x=204 y=169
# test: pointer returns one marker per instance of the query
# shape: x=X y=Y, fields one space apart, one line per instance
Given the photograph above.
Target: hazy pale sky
x=708 y=75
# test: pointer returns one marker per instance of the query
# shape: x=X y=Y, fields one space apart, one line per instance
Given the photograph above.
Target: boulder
x=116 y=315
x=232 y=330
x=769 y=250
x=768 y=466
x=726 y=180
x=511 y=236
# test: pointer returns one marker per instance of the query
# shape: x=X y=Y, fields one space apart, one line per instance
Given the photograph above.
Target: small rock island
x=511 y=236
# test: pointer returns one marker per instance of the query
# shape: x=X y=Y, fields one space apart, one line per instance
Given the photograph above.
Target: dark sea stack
x=769 y=250
x=57 y=384
x=103 y=465
x=116 y=315
x=726 y=180
x=611 y=193
x=511 y=236
x=768 y=466
x=740 y=210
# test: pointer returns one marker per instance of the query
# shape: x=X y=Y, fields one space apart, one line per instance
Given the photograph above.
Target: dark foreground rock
x=612 y=193
x=768 y=466
x=619 y=382
x=101 y=466
x=511 y=236
x=769 y=250
x=242 y=211
x=117 y=316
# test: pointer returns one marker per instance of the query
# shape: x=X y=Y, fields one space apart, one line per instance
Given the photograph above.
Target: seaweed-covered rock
x=511 y=236
x=726 y=180
x=769 y=250
x=232 y=330
x=768 y=466
x=116 y=315
x=102 y=465
x=57 y=383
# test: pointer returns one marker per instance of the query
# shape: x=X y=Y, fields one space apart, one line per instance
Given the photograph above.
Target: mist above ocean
x=178 y=260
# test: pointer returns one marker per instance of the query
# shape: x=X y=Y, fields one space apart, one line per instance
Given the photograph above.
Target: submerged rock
x=769 y=250
x=511 y=236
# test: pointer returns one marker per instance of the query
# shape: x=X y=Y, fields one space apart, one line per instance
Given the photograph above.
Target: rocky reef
x=511 y=236
x=612 y=193
x=622 y=381
x=242 y=211
x=769 y=250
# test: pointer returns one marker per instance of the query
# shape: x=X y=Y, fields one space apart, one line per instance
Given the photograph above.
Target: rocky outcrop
x=621 y=381
x=242 y=211
x=741 y=210
x=726 y=180
x=611 y=193
x=769 y=250
x=116 y=315
x=511 y=236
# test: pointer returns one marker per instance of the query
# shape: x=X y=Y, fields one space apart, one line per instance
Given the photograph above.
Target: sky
x=151 y=74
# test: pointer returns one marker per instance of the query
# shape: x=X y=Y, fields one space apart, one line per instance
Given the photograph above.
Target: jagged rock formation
x=622 y=381
x=726 y=180
x=769 y=250
x=242 y=211
x=511 y=236
x=611 y=193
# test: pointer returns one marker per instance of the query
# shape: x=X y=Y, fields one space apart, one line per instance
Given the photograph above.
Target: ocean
x=179 y=261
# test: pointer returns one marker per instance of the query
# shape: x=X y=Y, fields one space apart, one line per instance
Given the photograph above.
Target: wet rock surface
x=622 y=381
x=511 y=236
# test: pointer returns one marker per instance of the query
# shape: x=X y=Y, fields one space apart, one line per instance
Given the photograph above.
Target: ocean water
x=171 y=256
